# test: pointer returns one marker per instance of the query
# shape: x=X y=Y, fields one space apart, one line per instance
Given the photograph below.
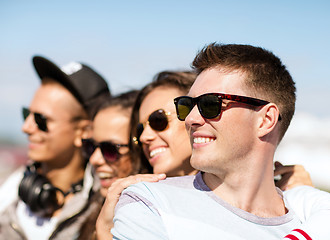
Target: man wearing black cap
x=55 y=189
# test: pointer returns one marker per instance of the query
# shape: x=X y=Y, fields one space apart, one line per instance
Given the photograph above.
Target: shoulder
x=162 y=193
x=307 y=196
x=141 y=207
x=168 y=184
x=14 y=178
x=9 y=189
x=307 y=200
x=306 y=192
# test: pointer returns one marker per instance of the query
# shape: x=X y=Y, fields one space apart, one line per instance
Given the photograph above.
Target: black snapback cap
x=86 y=85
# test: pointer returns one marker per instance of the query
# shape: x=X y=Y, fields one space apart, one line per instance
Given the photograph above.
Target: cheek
x=62 y=131
x=233 y=140
x=145 y=150
x=62 y=139
x=125 y=167
x=236 y=130
x=180 y=143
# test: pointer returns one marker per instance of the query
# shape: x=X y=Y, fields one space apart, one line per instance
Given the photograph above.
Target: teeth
x=203 y=140
x=103 y=175
x=157 y=151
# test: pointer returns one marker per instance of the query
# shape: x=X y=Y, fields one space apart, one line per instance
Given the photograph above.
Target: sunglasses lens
x=158 y=120
x=109 y=151
x=209 y=106
x=183 y=107
x=41 y=121
x=26 y=113
x=88 y=147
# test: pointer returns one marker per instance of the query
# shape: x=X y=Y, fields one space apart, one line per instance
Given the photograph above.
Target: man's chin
x=195 y=162
x=37 y=157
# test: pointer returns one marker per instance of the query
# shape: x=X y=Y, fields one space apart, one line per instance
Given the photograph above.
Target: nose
x=148 y=134
x=194 y=118
x=29 y=125
x=96 y=158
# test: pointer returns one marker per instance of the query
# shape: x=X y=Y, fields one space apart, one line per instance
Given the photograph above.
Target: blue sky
x=129 y=41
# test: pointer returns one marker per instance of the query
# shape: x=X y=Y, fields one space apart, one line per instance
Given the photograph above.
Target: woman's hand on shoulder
x=291 y=176
x=104 y=221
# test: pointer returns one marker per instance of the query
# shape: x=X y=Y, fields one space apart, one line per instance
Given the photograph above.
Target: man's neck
x=252 y=193
x=64 y=176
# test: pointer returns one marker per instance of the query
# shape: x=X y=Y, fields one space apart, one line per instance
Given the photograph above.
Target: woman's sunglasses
x=109 y=150
x=157 y=120
x=39 y=119
x=209 y=104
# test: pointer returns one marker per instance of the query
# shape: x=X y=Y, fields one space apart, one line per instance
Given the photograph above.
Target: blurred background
x=128 y=42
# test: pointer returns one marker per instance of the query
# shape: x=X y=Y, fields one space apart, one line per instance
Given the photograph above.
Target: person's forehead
x=159 y=98
x=111 y=118
x=215 y=80
x=111 y=124
x=54 y=101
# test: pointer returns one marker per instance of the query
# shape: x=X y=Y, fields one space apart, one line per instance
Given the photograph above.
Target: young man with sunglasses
x=236 y=114
x=53 y=194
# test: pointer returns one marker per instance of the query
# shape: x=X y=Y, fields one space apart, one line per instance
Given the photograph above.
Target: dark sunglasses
x=157 y=120
x=210 y=104
x=39 y=119
x=110 y=151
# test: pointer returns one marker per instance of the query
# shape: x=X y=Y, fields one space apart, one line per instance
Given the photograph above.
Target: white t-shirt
x=34 y=227
x=185 y=208
x=313 y=208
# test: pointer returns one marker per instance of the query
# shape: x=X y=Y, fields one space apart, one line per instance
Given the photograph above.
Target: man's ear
x=84 y=130
x=269 y=115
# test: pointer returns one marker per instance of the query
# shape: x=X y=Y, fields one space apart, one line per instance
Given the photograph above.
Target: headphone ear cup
x=48 y=198
x=38 y=193
x=34 y=193
x=25 y=186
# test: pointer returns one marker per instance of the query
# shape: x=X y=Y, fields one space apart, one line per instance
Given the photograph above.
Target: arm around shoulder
x=137 y=215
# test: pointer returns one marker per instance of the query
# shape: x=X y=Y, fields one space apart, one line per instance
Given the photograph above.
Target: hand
x=291 y=176
x=104 y=221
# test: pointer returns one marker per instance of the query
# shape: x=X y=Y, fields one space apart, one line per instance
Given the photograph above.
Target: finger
x=284 y=170
x=277 y=164
x=292 y=169
x=150 y=177
x=283 y=182
x=142 y=177
x=120 y=184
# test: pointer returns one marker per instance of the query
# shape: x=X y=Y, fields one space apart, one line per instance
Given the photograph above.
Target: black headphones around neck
x=39 y=194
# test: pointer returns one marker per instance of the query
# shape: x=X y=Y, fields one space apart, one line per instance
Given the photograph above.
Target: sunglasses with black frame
x=42 y=121
x=109 y=150
x=210 y=104
x=157 y=120
x=39 y=119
